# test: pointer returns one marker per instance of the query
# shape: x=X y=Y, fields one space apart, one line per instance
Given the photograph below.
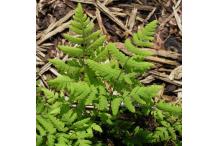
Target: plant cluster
x=98 y=97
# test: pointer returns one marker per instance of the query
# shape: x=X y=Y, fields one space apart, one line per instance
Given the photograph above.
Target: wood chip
x=116 y=9
x=178 y=19
x=119 y=14
x=43 y=78
x=176 y=73
x=132 y=18
x=171 y=99
x=47 y=66
x=150 y=14
x=138 y=6
x=106 y=2
x=147 y=80
x=121 y=47
x=174 y=82
x=162 y=60
x=54 y=71
x=164 y=77
x=56 y=24
x=84 y=1
x=100 y=23
x=107 y=12
x=54 y=32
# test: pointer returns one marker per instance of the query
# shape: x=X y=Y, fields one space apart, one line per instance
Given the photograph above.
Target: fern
x=128 y=103
x=115 y=105
x=169 y=108
x=71 y=51
x=66 y=69
x=132 y=48
x=103 y=103
x=99 y=75
x=144 y=36
x=57 y=128
x=127 y=62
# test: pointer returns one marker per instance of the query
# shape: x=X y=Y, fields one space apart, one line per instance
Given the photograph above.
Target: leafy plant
x=57 y=124
x=97 y=74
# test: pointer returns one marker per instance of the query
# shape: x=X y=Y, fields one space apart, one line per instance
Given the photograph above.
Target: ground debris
x=117 y=19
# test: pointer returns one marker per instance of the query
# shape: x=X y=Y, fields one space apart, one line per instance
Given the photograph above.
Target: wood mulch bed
x=117 y=19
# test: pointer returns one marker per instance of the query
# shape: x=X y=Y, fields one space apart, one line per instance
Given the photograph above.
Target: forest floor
x=117 y=19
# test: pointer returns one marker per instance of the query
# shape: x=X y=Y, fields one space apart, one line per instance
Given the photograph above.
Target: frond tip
x=144 y=36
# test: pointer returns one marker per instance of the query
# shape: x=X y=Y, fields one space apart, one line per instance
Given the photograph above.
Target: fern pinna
x=98 y=74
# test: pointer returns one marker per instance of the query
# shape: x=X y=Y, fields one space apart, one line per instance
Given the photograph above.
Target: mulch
x=118 y=19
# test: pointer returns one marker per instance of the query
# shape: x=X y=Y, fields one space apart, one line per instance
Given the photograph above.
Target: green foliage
x=63 y=127
x=169 y=108
x=145 y=35
x=97 y=87
x=115 y=105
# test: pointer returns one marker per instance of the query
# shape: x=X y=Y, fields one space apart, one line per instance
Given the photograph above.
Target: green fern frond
x=161 y=134
x=144 y=95
x=158 y=115
x=128 y=103
x=93 y=36
x=66 y=69
x=74 y=40
x=69 y=117
x=115 y=105
x=61 y=82
x=83 y=142
x=40 y=107
x=97 y=43
x=138 y=99
x=169 y=108
x=103 y=71
x=144 y=36
x=96 y=127
x=149 y=29
x=75 y=29
x=103 y=103
x=55 y=108
x=71 y=51
x=57 y=123
x=81 y=123
x=141 y=43
x=91 y=96
x=51 y=140
x=48 y=93
x=149 y=92
x=63 y=140
x=132 y=48
x=41 y=130
x=89 y=28
x=178 y=127
x=39 y=140
x=127 y=62
x=46 y=124
x=77 y=91
x=116 y=53
x=172 y=133
x=82 y=25
x=139 y=66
